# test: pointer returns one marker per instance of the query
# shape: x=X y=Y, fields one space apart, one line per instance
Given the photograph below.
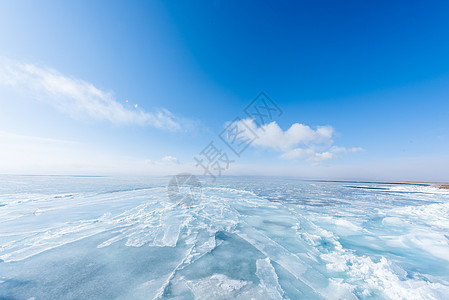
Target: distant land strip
x=441 y=185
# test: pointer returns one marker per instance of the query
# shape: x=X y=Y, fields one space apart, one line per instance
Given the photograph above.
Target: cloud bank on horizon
x=79 y=98
x=298 y=141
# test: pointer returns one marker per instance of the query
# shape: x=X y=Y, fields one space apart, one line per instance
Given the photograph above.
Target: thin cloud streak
x=79 y=98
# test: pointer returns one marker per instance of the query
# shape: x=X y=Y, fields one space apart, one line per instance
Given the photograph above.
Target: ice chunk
x=268 y=279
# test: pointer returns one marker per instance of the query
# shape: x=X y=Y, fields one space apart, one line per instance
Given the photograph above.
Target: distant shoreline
x=441 y=185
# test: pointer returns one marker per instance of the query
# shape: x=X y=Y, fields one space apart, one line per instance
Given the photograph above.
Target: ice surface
x=268 y=279
x=248 y=238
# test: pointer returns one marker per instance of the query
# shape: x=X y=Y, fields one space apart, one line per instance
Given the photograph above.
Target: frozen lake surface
x=65 y=237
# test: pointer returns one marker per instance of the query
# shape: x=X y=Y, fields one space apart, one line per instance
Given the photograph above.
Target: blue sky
x=375 y=74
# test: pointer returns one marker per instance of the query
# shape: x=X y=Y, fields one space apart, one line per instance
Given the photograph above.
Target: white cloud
x=337 y=149
x=170 y=159
x=166 y=160
x=24 y=154
x=308 y=153
x=312 y=154
x=298 y=141
x=79 y=98
x=272 y=136
x=8 y=136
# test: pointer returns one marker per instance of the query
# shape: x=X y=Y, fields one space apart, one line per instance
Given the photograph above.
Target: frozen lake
x=67 y=237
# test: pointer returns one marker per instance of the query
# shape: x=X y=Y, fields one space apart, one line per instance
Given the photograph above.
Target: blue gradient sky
x=377 y=73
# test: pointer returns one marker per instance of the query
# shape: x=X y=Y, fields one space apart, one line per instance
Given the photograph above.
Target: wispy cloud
x=19 y=137
x=79 y=98
x=25 y=154
x=164 y=161
x=170 y=159
x=298 y=141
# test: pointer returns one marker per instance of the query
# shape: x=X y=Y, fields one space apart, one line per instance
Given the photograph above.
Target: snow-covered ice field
x=65 y=237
